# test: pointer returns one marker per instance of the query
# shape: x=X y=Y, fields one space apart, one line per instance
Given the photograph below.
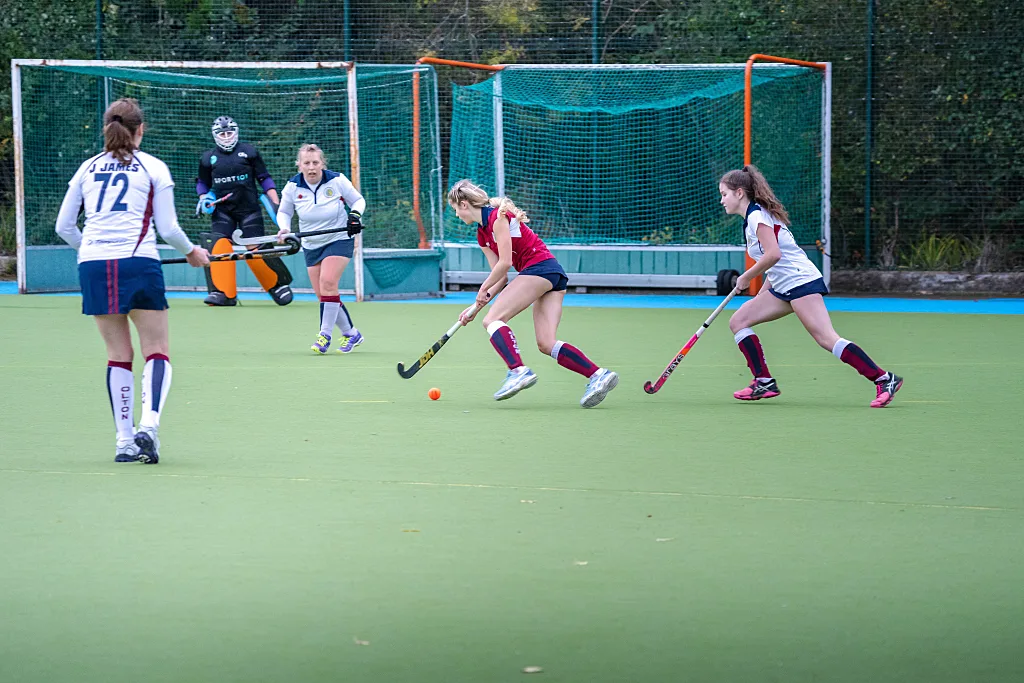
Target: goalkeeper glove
x=355 y=225
x=206 y=203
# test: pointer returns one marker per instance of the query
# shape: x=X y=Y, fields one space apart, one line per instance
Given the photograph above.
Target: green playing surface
x=319 y=519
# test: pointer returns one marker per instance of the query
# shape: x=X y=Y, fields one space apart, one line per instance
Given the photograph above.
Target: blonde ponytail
x=475 y=196
x=505 y=205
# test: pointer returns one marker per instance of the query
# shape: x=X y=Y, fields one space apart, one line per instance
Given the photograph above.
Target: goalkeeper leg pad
x=220 y=277
x=274 y=277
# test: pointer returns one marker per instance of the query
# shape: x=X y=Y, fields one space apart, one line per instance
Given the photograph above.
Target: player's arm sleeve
x=166 y=220
x=205 y=180
x=353 y=199
x=286 y=208
x=67 y=217
x=259 y=170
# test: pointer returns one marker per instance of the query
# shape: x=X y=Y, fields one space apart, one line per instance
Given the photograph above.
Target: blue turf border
x=835 y=303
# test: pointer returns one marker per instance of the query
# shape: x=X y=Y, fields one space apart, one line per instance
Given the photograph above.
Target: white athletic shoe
x=515 y=381
x=601 y=382
x=126 y=452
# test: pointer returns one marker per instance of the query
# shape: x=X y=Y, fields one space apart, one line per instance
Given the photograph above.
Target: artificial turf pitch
x=319 y=519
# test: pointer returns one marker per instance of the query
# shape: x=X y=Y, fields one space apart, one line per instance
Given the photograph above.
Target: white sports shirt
x=122 y=203
x=319 y=208
x=794 y=268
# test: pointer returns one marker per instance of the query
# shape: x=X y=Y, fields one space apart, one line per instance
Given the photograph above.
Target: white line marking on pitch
x=559 y=489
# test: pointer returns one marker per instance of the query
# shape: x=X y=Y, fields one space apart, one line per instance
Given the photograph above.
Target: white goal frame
x=684 y=281
x=19 y=163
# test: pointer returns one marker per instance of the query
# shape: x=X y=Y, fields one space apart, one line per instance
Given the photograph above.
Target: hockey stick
x=237 y=238
x=270 y=207
x=653 y=388
x=276 y=252
x=425 y=358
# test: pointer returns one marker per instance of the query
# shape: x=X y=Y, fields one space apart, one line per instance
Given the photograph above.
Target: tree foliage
x=946 y=81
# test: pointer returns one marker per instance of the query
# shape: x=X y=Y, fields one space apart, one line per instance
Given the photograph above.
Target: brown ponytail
x=756 y=188
x=121 y=122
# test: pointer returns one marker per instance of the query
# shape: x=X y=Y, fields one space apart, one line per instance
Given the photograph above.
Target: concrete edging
x=924 y=282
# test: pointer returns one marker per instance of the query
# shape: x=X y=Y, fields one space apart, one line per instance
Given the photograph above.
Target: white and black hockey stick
x=237 y=238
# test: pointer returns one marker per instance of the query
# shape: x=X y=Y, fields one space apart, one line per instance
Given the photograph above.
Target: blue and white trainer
x=127 y=452
x=601 y=382
x=515 y=381
x=149 y=445
x=349 y=343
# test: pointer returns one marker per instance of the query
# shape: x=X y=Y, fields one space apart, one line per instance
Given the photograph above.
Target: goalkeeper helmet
x=225 y=132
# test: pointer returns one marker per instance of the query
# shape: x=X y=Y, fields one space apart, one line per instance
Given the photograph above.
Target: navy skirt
x=120 y=285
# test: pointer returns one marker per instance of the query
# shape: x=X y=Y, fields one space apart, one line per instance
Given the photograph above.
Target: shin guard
x=220 y=277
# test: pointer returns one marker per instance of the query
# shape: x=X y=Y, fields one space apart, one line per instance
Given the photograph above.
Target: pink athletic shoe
x=758 y=390
x=886 y=390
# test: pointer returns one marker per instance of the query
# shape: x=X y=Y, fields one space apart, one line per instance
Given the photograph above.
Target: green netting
x=277 y=109
x=624 y=155
x=389 y=267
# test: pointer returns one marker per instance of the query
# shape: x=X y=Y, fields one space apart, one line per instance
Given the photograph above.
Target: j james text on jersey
x=121 y=204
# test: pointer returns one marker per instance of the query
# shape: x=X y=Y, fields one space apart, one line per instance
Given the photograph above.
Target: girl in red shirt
x=507 y=241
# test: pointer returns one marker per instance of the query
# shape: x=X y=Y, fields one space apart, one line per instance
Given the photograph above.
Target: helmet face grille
x=225 y=132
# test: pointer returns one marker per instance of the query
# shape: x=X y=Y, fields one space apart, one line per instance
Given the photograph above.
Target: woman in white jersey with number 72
x=124 y=192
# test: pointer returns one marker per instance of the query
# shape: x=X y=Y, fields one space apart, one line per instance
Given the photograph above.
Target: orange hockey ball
x=434 y=394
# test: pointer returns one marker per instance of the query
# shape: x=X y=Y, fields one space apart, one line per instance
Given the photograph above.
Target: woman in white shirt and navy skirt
x=324 y=199
x=124 y=193
x=796 y=286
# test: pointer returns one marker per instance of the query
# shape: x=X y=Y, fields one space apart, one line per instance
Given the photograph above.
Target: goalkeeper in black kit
x=229 y=183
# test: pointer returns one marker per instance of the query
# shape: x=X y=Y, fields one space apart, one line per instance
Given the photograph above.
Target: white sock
x=156 y=383
x=344 y=322
x=328 y=315
x=121 y=389
x=555 y=349
x=743 y=334
x=839 y=347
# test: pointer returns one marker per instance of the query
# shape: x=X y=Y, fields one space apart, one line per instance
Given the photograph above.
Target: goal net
x=278 y=106
x=632 y=154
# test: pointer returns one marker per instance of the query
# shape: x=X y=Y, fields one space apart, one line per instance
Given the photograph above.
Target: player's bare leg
x=523 y=291
x=156 y=379
x=519 y=295
x=815 y=318
x=547 y=313
x=117 y=337
x=763 y=308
